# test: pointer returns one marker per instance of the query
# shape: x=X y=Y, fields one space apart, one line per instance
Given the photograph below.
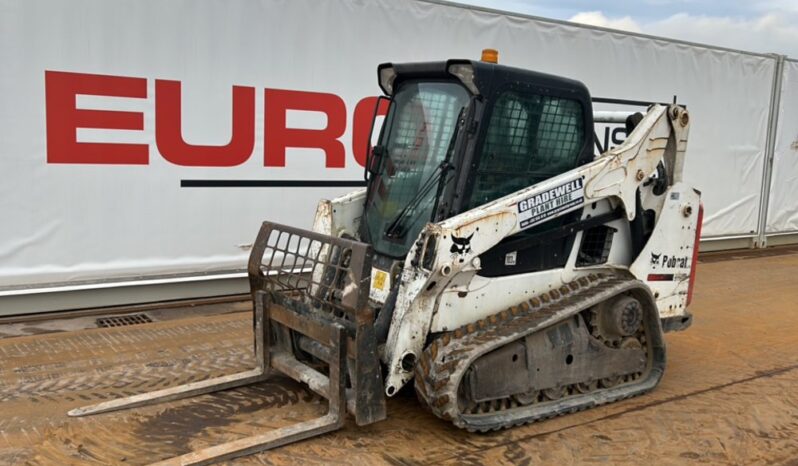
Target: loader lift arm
x=661 y=137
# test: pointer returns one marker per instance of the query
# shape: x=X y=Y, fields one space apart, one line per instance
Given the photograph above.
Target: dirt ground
x=729 y=395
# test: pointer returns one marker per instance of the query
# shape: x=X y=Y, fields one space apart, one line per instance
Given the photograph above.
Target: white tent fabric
x=66 y=222
x=783 y=206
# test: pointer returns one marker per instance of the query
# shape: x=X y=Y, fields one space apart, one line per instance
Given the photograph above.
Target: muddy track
x=126 y=370
x=176 y=428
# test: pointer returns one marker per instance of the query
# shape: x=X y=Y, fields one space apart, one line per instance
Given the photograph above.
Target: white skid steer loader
x=491 y=259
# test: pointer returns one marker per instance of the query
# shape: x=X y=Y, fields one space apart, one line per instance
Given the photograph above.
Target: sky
x=765 y=26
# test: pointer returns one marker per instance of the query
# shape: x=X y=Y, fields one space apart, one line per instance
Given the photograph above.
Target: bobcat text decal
x=669 y=262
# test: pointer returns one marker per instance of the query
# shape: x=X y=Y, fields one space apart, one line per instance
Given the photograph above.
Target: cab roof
x=488 y=77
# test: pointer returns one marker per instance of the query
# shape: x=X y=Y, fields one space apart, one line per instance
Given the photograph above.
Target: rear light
x=695 y=253
x=490 y=56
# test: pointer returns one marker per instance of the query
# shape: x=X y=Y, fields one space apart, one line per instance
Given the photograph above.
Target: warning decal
x=549 y=203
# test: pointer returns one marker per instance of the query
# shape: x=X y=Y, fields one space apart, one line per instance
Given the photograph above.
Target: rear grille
x=122 y=321
x=596 y=246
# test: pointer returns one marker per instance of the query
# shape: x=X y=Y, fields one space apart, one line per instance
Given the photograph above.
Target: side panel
x=486 y=296
x=468 y=298
x=341 y=216
x=664 y=264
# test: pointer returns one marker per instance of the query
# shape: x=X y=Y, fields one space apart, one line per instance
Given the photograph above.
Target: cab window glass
x=530 y=138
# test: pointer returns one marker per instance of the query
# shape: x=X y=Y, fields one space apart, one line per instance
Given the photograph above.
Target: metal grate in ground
x=122 y=321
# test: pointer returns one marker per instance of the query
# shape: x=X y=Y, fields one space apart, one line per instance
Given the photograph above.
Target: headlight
x=465 y=73
x=387 y=75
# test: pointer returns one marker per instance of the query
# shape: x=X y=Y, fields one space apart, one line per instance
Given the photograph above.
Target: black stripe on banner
x=271 y=183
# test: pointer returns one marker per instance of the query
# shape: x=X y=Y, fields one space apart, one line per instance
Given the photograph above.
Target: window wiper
x=397 y=227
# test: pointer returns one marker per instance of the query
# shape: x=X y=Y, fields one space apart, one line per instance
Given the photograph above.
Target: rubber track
x=445 y=361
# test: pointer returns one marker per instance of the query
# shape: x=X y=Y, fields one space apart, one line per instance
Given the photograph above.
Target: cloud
x=763 y=26
x=777 y=33
x=763 y=33
x=597 y=18
x=786 y=6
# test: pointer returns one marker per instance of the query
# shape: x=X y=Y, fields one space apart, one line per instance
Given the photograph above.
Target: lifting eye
x=408 y=362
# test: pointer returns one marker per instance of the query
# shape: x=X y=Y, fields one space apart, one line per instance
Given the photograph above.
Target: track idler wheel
x=620 y=318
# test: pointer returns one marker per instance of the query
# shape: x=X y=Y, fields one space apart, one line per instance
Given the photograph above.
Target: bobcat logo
x=655 y=258
x=461 y=245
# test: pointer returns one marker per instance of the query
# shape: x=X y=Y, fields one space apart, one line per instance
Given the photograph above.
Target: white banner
x=783 y=208
x=115 y=115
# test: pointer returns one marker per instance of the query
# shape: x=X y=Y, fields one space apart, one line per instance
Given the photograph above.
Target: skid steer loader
x=492 y=260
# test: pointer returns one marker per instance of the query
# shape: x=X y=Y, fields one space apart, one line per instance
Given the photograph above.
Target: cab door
x=531 y=136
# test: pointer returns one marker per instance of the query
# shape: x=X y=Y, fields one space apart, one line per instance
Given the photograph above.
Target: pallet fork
x=312 y=322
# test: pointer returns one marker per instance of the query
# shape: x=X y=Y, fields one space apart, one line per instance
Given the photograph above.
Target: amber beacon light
x=490 y=55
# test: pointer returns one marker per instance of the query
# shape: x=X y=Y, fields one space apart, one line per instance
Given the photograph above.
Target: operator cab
x=461 y=133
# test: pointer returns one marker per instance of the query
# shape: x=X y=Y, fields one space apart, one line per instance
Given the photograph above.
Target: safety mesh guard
x=308 y=285
x=326 y=273
x=530 y=138
x=596 y=246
